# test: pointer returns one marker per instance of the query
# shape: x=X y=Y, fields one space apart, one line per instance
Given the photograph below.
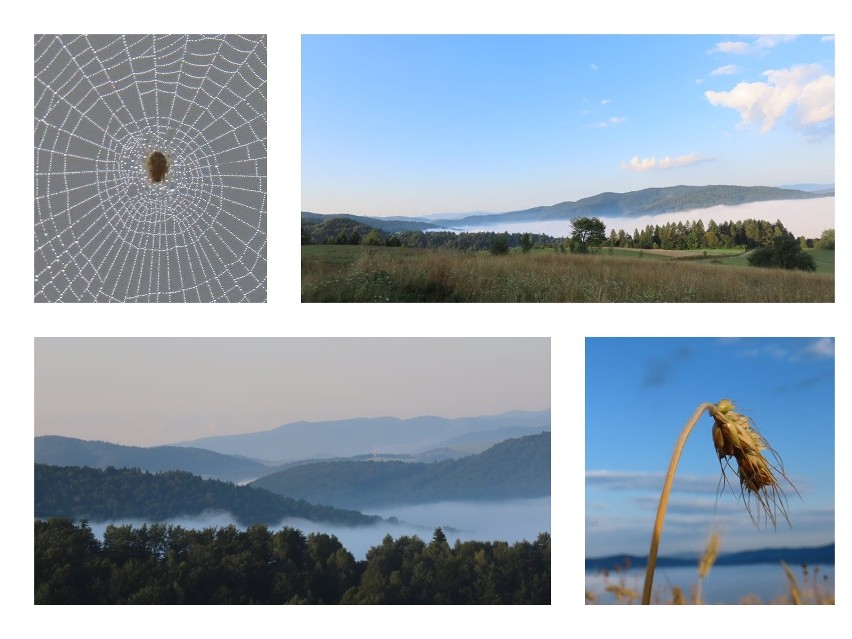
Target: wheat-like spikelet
x=735 y=436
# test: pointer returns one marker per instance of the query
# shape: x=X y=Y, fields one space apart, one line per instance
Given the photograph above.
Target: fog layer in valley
x=511 y=521
x=801 y=217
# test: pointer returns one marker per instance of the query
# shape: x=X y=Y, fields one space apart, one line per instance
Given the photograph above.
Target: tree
x=526 y=243
x=372 y=239
x=500 y=245
x=785 y=252
x=826 y=240
x=586 y=232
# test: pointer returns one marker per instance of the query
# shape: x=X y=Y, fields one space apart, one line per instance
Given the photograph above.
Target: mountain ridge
x=649 y=201
x=801 y=555
x=57 y=450
x=512 y=469
x=349 y=437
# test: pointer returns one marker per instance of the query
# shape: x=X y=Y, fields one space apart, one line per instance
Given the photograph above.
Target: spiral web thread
x=104 y=231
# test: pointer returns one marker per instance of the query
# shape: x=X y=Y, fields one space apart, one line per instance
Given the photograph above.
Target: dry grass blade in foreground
x=733 y=436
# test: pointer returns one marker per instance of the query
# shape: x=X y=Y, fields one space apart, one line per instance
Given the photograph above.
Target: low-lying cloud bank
x=801 y=217
x=511 y=521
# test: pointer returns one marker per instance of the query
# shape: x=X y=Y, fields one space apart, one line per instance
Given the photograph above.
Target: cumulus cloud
x=803 y=89
x=667 y=162
x=728 y=69
x=741 y=47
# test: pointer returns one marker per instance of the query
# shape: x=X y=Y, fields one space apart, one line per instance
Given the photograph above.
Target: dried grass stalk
x=734 y=436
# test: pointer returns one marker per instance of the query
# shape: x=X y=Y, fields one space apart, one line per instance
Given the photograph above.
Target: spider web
x=104 y=231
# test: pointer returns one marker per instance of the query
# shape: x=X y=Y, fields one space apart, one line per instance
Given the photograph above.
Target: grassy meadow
x=332 y=273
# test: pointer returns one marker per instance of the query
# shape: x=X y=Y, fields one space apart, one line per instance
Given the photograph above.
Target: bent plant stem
x=664 y=500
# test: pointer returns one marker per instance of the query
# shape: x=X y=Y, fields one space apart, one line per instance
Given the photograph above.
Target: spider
x=157 y=164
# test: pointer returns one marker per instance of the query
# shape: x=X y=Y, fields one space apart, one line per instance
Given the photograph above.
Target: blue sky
x=639 y=394
x=412 y=125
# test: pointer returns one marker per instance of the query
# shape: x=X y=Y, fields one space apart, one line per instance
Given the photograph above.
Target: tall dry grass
x=395 y=275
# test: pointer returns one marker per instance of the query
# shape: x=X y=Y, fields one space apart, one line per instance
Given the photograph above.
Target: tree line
x=742 y=234
x=163 y=564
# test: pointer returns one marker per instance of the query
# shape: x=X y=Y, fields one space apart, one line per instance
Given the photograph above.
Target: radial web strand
x=150 y=168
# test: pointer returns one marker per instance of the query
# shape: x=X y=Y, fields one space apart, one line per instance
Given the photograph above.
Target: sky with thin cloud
x=413 y=125
x=152 y=391
x=640 y=392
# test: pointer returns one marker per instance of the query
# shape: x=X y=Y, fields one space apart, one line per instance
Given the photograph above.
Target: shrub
x=785 y=252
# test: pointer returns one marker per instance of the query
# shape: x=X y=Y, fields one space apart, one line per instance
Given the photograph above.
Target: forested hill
x=128 y=493
x=653 y=201
x=515 y=468
x=68 y=451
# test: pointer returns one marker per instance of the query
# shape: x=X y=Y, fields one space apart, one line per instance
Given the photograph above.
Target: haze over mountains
x=100 y=480
x=382 y=435
x=416 y=442
x=651 y=201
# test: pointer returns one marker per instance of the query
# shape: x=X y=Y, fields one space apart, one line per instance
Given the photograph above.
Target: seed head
x=736 y=436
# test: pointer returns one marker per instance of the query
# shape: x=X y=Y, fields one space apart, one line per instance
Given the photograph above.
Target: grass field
x=387 y=274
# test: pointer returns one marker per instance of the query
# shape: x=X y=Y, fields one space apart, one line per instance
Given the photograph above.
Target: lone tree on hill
x=586 y=232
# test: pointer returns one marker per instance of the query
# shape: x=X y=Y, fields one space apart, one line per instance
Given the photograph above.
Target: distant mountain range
x=515 y=468
x=68 y=451
x=792 y=556
x=825 y=189
x=650 y=201
x=384 y=435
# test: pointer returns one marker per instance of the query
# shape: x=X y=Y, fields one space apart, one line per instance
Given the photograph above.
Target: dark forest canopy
x=111 y=493
x=161 y=564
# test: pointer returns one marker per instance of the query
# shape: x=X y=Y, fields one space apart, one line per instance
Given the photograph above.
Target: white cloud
x=823 y=347
x=827 y=38
x=730 y=47
x=758 y=44
x=605 y=101
x=667 y=162
x=728 y=69
x=804 y=88
x=593 y=66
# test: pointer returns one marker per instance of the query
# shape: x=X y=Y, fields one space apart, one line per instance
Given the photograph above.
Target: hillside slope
x=68 y=451
x=651 y=201
x=515 y=468
x=110 y=494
